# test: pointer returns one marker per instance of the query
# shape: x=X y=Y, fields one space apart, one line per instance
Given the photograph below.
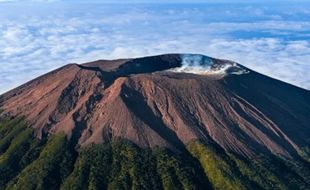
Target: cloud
x=45 y=37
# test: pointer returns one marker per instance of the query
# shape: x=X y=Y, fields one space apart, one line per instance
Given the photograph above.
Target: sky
x=37 y=36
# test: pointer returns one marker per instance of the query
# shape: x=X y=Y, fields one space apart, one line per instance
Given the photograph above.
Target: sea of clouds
x=37 y=37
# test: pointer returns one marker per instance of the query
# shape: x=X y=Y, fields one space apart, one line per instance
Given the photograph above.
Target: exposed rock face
x=144 y=101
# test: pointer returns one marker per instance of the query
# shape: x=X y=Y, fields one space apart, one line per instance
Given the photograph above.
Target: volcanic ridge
x=166 y=101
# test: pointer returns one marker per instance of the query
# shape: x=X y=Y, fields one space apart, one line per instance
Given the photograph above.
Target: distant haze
x=269 y=36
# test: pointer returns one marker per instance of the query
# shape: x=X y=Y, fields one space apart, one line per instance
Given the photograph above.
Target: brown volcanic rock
x=138 y=100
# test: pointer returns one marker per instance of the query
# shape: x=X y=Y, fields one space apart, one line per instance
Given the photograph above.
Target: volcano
x=174 y=121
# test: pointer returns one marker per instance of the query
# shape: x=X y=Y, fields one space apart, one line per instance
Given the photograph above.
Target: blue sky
x=272 y=37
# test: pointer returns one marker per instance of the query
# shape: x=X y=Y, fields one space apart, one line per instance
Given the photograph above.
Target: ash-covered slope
x=168 y=101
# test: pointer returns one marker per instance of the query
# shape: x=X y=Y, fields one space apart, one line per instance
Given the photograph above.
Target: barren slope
x=143 y=101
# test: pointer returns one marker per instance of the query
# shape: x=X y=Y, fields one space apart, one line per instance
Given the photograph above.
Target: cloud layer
x=37 y=39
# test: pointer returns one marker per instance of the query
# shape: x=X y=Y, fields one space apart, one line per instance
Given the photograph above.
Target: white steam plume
x=204 y=65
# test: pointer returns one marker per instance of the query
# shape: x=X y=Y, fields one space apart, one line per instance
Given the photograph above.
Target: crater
x=204 y=65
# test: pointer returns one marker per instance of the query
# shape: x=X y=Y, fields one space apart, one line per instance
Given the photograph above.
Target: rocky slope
x=139 y=100
x=205 y=109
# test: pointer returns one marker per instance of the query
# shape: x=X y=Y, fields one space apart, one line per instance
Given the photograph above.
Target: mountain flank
x=190 y=121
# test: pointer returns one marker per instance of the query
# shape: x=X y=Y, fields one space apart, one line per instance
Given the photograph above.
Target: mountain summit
x=182 y=103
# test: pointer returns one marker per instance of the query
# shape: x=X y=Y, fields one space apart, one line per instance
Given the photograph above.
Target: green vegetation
x=123 y=165
x=179 y=171
x=53 y=163
x=229 y=171
x=305 y=153
x=259 y=175
x=132 y=168
x=17 y=149
x=90 y=169
x=217 y=167
x=46 y=171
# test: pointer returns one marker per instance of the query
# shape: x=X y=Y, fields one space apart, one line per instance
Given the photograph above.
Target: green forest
x=55 y=163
